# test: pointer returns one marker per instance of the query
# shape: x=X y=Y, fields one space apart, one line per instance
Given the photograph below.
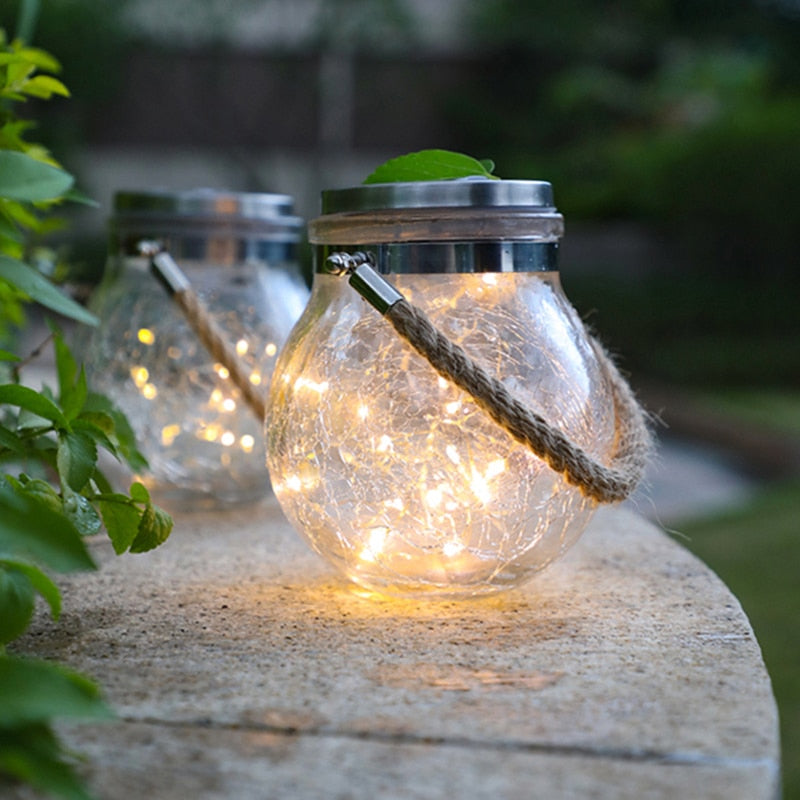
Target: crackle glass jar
x=388 y=470
x=203 y=444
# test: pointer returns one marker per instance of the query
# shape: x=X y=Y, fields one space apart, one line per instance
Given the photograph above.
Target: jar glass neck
x=451 y=257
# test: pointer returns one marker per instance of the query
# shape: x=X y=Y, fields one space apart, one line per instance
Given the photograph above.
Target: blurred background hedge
x=678 y=117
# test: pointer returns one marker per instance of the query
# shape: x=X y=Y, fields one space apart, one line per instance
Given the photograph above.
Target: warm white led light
x=453 y=548
x=211 y=433
x=146 y=336
x=433 y=498
x=384 y=444
x=140 y=376
x=169 y=434
x=247 y=443
x=375 y=544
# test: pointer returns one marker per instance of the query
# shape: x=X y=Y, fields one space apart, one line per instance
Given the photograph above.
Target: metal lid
x=458 y=193
x=205 y=205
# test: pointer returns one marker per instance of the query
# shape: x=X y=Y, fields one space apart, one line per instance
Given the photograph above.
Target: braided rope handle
x=603 y=483
x=205 y=327
x=219 y=347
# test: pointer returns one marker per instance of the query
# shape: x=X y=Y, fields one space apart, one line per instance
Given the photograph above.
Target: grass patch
x=756 y=551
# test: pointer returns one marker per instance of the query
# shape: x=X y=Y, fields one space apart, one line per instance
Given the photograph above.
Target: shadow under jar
x=391 y=472
x=203 y=444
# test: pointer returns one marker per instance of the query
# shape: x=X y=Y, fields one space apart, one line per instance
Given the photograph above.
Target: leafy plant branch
x=53 y=492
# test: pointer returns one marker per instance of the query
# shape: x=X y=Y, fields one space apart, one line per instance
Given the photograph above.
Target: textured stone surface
x=241 y=667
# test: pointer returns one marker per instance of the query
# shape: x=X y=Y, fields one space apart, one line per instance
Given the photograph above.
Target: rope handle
x=603 y=483
x=205 y=327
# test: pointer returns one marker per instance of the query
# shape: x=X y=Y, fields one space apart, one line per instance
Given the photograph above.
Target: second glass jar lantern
x=204 y=446
x=391 y=472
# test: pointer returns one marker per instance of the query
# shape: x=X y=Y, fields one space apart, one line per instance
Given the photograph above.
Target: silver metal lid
x=205 y=205
x=458 y=193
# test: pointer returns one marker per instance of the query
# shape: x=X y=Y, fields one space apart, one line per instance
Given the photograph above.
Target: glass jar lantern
x=203 y=445
x=391 y=472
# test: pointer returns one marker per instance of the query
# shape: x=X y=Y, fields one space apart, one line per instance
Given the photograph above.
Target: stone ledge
x=240 y=666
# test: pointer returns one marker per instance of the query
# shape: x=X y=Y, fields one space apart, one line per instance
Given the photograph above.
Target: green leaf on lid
x=431 y=165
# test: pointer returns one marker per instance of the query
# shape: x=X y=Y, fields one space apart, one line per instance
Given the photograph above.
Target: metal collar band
x=453 y=257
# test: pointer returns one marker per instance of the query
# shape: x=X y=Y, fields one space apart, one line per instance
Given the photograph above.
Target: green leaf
x=33 y=401
x=9 y=229
x=95 y=432
x=44 y=86
x=33 y=691
x=77 y=196
x=77 y=456
x=139 y=492
x=102 y=482
x=154 y=529
x=40 y=491
x=123 y=434
x=74 y=397
x=40 y=582
x=16 y=603
x=82 y=514
x=27 y=421
x=10 y=441
x=33 y=754
x=430 y=165
x=38 y=288
x=72 y=390
x=24 y=178
x=97 y=419
x=6 y=356
x=121 y=519
x=31 y=55
x=18 y=71
x=30 y=531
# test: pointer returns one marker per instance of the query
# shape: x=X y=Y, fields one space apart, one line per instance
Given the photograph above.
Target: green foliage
x=681 y=327
x=431 y=165
x=685 y=116
x=31 y=183
x=52 y=490
x=31 y=692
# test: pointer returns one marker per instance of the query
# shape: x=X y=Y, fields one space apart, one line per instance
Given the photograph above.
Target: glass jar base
x=421 y=590
x=182 y=498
